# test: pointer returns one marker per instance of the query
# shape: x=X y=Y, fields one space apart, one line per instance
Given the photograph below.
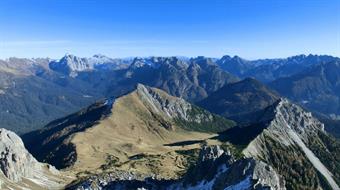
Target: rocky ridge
x=215 y=169
x=288 y=128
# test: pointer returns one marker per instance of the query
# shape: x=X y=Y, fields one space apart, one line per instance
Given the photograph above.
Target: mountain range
x=267 y=70
x=170 y=123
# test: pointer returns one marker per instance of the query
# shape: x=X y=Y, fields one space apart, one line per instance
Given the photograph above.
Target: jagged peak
x=153 y=95
x=284 y=116
x=161 y=102
x=141 y=88
x=156 y=62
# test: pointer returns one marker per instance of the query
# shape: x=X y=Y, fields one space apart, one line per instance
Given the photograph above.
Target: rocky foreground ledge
x=215 y=169
x=20 y=170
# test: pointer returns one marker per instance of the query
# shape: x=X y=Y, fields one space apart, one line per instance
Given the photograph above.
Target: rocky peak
x=157 y=62
x=70 y=65
x=294 y=117
x=288 y=125
x=284 y=117
x=236 y=65
x=180 y=111
x=225 y=58
x=137 y=63
x=211 y=153
x=204 y=62
x=237 y=58
x=160 y=102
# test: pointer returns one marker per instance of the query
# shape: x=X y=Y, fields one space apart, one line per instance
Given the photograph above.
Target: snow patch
x=243 y=185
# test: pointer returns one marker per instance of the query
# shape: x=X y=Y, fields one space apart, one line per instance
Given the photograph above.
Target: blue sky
x=121 y=28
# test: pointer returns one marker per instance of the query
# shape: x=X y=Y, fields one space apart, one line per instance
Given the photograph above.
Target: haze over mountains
x=162 y=122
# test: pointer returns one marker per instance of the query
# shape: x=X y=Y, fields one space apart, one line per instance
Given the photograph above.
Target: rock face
x=174 y=108
x=17 y=164
x=15 y=161
x=217 y=169
x=289 y=135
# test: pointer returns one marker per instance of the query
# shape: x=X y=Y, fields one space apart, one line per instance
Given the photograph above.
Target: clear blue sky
x=121 y=28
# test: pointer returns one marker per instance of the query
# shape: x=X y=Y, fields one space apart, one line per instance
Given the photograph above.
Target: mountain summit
x=145 y=122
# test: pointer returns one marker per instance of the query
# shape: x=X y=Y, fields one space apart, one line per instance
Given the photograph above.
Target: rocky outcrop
x=161 y=103
x=215 y=170
x=183 y=113
x=172 y=107
x=17 y=164
x=211 y=153
x=15 y=161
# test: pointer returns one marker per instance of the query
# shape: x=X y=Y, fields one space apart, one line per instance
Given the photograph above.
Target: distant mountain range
x=267 y=70
x=36 y=91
